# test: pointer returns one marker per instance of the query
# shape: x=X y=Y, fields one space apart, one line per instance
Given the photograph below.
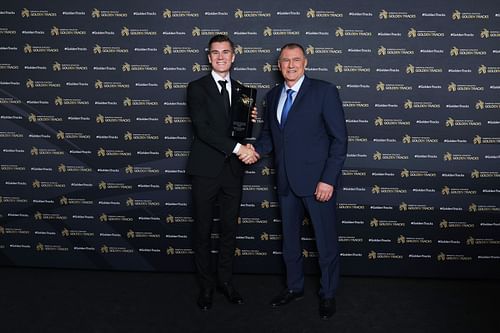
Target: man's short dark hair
x=220 y=39
x=292 y=46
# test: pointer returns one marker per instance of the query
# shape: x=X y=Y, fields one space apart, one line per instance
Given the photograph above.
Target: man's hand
x=324 y=192
x=254 y=114
x=247 y=154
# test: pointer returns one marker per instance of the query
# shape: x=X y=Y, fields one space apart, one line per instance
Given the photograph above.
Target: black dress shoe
x=231 y=294
x=205 y=299
x=285 y=297
x=327 y=308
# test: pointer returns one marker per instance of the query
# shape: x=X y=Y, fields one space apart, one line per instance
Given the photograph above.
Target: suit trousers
x=323 y=219
x=226 y=190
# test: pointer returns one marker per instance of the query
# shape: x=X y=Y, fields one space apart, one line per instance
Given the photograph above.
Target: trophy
x=241 y=112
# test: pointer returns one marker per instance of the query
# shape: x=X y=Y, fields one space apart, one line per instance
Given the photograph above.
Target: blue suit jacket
x=312 y=146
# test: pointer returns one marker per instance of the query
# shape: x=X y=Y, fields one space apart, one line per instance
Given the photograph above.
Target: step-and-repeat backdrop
x=95 y=133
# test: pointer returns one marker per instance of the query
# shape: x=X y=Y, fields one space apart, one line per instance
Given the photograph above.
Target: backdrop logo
x=383 y=51
x=266 y=171
x=413 y=33
x=411 y=69
x=268 y=204
x=312 y=13
x=485 y=33
x=126 y=67
x=267 y=67
x=453 y=87
x=478 y=140
x=322 y=50
x=54 y=31
x=386 y=15
x=239 y=14
x=378 y=156
x=480 y=105
x=488 y=69
x=458 y=15
x=381 y=86
x=96 y=13
x=168 y=13
x=199 y=68
x=341 y=32
x=125 y=32
x=197 y=31
x=383 y=15
x=455 y=52
x=447 y=157
x=25 y=12
x=28 y=49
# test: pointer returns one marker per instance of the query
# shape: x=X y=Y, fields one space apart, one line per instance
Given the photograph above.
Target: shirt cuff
x=236 y=148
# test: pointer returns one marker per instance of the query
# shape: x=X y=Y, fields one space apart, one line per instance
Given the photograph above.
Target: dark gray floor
x=56 y=300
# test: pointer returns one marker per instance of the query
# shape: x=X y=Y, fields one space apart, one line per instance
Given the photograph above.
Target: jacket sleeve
x=264 y=143
x=334 y=119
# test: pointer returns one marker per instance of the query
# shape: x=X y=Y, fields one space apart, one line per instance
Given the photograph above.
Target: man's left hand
x=324 y=192
x=254 y=114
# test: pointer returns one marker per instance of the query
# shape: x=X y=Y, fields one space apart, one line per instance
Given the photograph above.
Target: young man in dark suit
x=305 y=127
x=216 y=170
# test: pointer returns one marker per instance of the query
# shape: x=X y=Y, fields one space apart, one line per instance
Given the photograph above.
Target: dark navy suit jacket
x=312 y=146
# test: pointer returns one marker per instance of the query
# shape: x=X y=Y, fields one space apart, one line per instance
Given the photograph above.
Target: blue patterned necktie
x=286 y=107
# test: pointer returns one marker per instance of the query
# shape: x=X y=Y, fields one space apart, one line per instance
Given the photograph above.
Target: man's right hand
x=247 y=154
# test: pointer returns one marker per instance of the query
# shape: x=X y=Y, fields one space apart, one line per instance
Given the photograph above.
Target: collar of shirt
x=217 y=78
x=281 y=102
x=295 y=87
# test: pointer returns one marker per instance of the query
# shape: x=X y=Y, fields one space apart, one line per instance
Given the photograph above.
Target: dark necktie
x=225 y=95
x=286 y=107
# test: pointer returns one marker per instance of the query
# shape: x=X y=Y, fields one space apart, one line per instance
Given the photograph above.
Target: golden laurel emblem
x=247 y=101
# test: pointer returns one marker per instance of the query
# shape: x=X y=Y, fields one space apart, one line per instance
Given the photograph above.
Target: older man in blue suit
x=305 y=127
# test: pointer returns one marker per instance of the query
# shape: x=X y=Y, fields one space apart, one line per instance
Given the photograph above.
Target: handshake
x=247 y=154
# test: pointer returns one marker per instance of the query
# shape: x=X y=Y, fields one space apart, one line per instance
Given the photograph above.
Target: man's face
x=221 y=57
x=292 y=64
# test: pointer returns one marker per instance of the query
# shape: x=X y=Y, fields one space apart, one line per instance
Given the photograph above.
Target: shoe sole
x=295 y=299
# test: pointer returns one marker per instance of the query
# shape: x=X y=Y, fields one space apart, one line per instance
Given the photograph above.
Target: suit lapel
x=213 y=90
x=274 y=107
x=235 y=89
x=302 y=91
